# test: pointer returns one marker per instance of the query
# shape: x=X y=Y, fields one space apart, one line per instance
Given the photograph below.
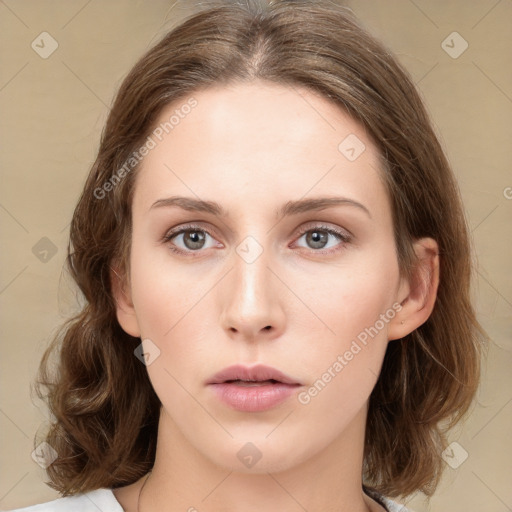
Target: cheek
x=344 y=357
x=175 y=311
x=353 y=298
x=163 y=294
x=342 y=368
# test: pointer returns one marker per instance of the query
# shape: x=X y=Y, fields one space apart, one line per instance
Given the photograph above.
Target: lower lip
x=253 y=398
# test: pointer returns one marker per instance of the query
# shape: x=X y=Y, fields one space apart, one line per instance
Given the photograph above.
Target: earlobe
x=125 y=310
x=417 y=297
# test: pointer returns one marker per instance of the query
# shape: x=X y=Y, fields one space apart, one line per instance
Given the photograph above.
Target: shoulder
x=389 y=504
x=393 y=506
x=92 y=501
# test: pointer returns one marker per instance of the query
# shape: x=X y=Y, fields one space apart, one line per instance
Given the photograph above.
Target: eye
x=192 y=239
x=317 y=238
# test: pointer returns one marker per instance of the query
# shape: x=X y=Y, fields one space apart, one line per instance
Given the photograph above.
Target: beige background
x=53 y=111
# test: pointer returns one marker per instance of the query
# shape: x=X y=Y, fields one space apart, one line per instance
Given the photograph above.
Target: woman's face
x=312 y=293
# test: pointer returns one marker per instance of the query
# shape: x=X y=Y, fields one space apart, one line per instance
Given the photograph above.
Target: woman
x=276 y=269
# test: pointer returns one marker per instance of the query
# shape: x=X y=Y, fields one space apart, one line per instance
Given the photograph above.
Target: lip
x=255 y=393
x=259 y=372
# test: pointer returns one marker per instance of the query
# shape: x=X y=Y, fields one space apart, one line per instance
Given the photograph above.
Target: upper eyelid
x=300 y=231
x=323 y=225
x=199 y=226
x=186 y=227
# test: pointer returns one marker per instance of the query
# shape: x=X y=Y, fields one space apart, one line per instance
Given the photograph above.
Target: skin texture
x=251 y=148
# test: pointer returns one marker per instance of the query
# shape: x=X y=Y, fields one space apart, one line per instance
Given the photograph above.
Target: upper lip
x=255 y=373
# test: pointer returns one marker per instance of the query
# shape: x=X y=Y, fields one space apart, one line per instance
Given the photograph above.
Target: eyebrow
x=289 y=208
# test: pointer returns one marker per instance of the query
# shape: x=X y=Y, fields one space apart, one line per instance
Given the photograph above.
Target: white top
x=92 y=501
x=104 y=500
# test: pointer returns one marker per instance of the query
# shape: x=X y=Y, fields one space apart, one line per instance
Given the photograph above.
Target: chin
x=255 y=454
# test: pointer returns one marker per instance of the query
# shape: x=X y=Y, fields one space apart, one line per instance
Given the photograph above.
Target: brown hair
x=105 y=410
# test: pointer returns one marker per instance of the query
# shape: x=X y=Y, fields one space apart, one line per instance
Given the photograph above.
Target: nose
x=252 y=306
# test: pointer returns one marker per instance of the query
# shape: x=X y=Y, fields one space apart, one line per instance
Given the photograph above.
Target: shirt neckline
x=369 y=492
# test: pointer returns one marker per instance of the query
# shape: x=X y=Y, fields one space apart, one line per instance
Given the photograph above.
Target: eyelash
x=342 y=236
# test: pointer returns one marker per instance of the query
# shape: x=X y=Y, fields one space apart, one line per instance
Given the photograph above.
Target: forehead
x=247 y=142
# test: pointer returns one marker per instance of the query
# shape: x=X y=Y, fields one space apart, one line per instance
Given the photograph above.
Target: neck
x=184 y=479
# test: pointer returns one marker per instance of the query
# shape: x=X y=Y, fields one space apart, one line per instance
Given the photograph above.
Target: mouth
x=252 y=383
x=252 y=389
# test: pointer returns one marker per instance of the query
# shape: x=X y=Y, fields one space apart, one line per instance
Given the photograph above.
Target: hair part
x=105 y=409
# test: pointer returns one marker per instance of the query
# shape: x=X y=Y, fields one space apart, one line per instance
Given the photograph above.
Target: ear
x=417 y=296
x=124 y=305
